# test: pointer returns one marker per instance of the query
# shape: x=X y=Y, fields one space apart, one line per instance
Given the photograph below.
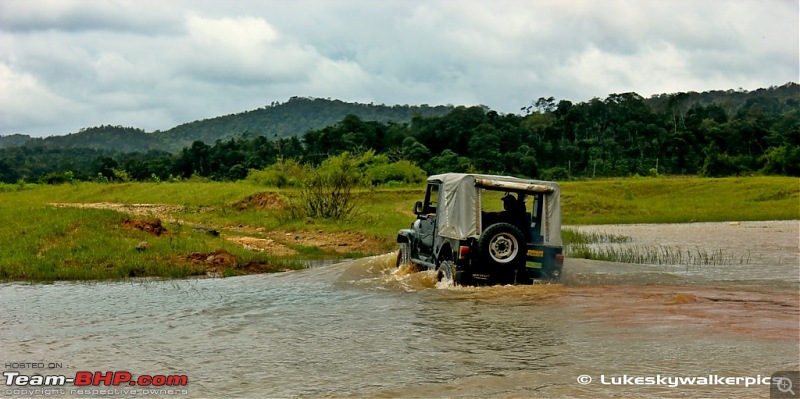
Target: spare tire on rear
x=503 y=245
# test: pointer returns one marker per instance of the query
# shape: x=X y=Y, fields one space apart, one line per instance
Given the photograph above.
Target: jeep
x=482 y=229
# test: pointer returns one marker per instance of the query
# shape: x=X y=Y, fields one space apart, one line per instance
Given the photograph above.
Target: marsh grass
x=615 y=248
x=655 y=255
x=576 y=237
x=44 y=243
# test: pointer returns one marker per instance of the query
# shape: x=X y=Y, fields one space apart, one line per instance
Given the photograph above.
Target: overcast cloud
x=68 y=64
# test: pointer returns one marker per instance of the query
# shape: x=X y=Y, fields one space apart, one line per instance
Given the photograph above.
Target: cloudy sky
x=153 y=64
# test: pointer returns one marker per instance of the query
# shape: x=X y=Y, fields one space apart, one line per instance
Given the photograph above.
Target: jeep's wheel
x=502 y=244
x=403 y=255
x=445 y=272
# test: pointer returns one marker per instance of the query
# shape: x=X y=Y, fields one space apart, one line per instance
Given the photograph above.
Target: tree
x=104 y=166
x=484 y=149
x=446 y=162
x=195 y=159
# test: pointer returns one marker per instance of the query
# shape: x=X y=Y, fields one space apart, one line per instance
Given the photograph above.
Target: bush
x=328 y=191
x=783 y=160
x=555 y=174
x=57 y=178
x=398 y=172
x=283 y=173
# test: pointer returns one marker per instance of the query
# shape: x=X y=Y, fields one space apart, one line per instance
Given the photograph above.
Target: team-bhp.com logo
x=88 y=378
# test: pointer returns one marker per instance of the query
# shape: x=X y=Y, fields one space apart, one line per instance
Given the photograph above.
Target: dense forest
x=720 y=133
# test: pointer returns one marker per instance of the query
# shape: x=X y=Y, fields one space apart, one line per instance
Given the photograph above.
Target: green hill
x=292 y=118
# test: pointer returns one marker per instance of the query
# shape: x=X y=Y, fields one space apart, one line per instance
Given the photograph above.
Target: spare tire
x=502 y=244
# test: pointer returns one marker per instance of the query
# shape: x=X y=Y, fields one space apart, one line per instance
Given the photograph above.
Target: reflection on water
x=364 y=329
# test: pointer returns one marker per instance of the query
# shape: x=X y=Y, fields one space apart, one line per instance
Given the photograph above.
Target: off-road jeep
x=482 y=229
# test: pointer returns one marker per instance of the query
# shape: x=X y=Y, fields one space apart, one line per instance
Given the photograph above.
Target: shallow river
x=363 y=329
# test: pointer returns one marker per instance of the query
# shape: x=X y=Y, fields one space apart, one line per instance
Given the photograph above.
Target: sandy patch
x=161 y=211
x=261 y=244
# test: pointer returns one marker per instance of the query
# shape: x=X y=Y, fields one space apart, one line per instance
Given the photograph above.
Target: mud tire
x=446 y=272
x=403 y=255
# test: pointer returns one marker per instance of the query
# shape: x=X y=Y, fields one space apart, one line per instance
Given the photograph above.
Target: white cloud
x=24 y=101
x=77 y=63
x=243 y=33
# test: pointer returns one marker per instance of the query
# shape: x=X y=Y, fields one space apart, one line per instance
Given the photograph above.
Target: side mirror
x=418 y=208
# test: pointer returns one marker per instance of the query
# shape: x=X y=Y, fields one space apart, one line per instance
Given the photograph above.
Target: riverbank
x=93 y=231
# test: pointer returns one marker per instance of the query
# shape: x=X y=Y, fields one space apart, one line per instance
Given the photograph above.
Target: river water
x=363 y=329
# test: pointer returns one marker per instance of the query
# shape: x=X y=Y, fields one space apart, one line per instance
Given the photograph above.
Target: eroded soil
x=262 y=201
x=149 y=225
x=216 y=263
x=280 y=241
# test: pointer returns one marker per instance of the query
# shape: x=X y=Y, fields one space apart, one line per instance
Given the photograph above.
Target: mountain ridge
x=298 y=115
x=277 y=120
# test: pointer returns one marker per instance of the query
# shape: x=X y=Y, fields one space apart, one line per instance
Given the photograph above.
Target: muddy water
x=363 y=329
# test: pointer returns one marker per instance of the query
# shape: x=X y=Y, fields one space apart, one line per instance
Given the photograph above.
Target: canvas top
x=460 y=195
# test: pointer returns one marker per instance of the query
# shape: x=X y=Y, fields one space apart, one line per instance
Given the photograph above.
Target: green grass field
x=42 y=242
x=680 y=200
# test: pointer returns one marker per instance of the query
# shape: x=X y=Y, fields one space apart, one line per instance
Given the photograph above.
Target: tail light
x=463 y=252
x=560 y=259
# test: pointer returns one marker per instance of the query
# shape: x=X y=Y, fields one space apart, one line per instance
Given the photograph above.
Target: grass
x=680 y=200
x=45 y=243
x=90 y=244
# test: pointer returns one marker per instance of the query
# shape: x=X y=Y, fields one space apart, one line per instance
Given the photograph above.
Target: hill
x=277 y=120
x=730 y=101
x=300 y=114
x=14 y=140
x=292 y=118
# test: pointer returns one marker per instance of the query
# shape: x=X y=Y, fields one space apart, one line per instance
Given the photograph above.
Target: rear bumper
x=544 y=262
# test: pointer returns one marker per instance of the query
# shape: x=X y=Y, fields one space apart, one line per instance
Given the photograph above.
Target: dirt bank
x=148 y=218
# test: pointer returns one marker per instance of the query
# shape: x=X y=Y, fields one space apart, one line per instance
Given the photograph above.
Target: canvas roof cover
x=458 y=200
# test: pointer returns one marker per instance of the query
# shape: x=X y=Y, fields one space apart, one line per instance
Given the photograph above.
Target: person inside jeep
x=513 y=208
x=514 y=212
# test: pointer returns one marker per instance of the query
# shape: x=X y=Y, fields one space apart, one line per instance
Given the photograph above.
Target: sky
x=154 y=64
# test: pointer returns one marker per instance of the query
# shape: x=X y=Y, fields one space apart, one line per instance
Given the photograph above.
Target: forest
x=722 y=133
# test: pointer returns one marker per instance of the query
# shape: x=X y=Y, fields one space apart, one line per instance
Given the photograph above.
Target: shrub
x=555 y=174
x=283 y=173
x=57 y=178
x=398 y=172
x=328 y=192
